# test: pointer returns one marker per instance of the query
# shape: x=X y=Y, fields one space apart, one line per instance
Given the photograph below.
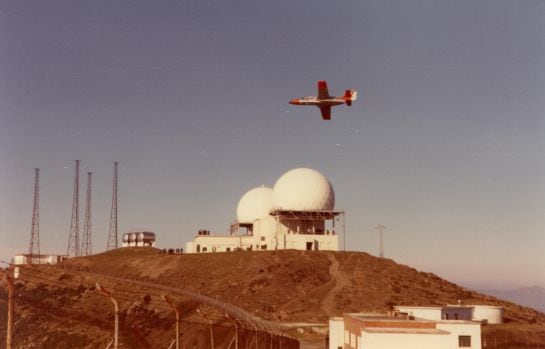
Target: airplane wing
x=322 y=90
x=326 y=112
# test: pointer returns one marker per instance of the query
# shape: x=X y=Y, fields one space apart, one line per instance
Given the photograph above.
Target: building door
x=309 y=246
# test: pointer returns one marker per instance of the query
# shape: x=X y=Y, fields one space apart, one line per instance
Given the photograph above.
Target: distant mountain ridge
x=533 y=297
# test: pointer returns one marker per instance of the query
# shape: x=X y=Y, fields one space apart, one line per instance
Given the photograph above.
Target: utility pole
x=87 y=247
x=73 y=239
x=175 y=308
x=11 y=291
x=381 y=230
x=112 y=235
x=108 y=293
x=34 y=248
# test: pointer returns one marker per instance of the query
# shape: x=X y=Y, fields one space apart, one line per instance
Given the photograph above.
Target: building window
x=204 y=249
x=464 y=341
x=262 y=238
x=198 y=248
x=228 y=249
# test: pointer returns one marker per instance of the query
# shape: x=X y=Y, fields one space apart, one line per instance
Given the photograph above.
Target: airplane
x=324 y=101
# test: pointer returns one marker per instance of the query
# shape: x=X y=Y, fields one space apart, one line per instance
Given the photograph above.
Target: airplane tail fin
x=350 y=96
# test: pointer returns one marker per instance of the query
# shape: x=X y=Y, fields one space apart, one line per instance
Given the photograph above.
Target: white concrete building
x=297 y=213
x=37 y=259
x=371 y=331
x=489 y=314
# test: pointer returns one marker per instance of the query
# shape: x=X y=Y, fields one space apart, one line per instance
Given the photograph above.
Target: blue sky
x=445 y=145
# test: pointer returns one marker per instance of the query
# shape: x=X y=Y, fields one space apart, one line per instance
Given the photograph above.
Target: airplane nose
x=294 y=101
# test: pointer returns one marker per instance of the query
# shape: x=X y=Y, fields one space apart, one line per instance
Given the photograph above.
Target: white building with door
x=376 y=331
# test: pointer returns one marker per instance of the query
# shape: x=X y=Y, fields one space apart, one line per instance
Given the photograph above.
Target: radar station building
x=297 y=213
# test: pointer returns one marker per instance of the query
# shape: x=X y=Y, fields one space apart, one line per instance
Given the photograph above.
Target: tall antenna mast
x=381 y=230
x=112 y=236
x=86 y=247
x=73 y=239
x=34 y=248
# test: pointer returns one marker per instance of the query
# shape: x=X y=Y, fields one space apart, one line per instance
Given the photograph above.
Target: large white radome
x=255 y=204
x=303 y=189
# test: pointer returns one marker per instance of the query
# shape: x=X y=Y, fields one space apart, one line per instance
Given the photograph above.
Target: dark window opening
x=464 y=341
x=309 y=246
x=198 y=248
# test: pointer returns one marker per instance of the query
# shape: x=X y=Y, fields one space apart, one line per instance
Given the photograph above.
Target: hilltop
x=280 y=286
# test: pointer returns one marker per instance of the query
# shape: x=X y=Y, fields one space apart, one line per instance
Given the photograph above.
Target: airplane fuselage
x=313 y=100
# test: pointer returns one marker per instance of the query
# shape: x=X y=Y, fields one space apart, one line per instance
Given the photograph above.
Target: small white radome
x=255 y=204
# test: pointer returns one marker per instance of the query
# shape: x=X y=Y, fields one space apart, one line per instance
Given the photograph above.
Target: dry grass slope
x=284 y=286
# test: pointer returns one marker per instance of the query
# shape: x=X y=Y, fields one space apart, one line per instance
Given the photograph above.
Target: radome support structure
x=112 y=235
x=87 y=246
x=73 y=239
x=34 y=247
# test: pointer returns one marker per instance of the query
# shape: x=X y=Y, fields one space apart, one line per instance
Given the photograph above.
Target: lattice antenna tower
x=86 y=246
x=112 y=235
x=34 y=247
x=73 y=239
x=381 y=231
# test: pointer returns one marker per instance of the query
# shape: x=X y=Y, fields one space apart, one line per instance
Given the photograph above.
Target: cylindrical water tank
x=126 y=237
x=132 y=237
x=492 y=314
x=146 y=237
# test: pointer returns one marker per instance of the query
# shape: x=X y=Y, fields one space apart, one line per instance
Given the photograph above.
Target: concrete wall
x=404 y=341
x=336 y=333
x=462 y=328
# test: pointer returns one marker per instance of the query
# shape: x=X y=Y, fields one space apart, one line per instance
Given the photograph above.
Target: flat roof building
x=372 y=331
x=487 y=314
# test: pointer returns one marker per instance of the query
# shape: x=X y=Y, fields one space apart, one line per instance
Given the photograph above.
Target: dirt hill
x=58 y=306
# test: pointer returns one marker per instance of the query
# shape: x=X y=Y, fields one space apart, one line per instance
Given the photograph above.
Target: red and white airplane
x=324 y=101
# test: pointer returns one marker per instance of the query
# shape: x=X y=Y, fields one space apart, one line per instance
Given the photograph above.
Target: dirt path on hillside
x=341 y=281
